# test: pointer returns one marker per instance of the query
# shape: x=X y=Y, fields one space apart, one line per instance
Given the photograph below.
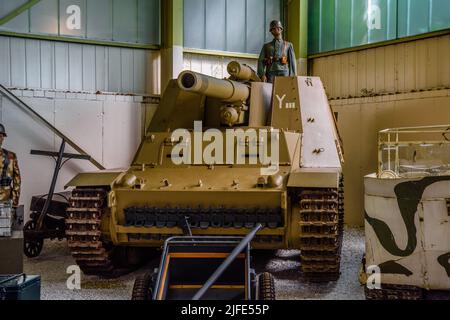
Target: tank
x=407 y=215
x=220 y=156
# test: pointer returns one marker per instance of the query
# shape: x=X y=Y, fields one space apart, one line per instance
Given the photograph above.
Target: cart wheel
x=32 y=248
x=143 y=288
x=266 y=286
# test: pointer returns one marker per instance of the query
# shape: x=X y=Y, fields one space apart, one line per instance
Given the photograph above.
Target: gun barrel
x=225 y=90
x=240 y=71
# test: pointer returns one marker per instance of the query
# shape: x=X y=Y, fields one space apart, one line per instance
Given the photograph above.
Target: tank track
x=83 y=222
x=321 y=236
x=394 y=292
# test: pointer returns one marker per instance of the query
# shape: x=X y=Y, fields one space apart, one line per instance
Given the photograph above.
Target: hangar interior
x=96 y=71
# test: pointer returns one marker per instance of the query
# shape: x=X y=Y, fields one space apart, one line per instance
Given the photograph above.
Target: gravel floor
x=283 y=264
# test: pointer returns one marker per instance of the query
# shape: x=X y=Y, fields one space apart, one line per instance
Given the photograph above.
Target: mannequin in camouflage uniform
x=277 y=58
x=10 y=174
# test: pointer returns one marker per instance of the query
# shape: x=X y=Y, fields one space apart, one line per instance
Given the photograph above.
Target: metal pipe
x=233 y=255
x=52 y=185
x=225 y=90
x=27 y=109
x=240 y=71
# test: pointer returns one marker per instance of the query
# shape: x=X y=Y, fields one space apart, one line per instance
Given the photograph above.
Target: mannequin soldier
x=277 y=58
x=10 y=175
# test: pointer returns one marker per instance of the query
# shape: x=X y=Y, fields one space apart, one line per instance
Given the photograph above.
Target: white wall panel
x=121 y=140
x=109 y=127
x=81 y=120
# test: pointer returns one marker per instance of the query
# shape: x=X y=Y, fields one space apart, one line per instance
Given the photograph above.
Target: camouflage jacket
x=275 y=50
x=9 y=177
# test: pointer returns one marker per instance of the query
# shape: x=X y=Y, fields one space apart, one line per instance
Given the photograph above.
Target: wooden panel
x=379 y=72
x=371 y=61
x=353 y=80
x=344 y=76
x=421 y=56
x=410 y=66
x=361 y=77
x=400 y=54
x=405 y=67
x=443 y=54
x=389 y=75
x=337 y=65
x=432 y=63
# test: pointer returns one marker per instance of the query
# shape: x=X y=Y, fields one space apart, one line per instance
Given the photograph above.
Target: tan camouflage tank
x=220 y=156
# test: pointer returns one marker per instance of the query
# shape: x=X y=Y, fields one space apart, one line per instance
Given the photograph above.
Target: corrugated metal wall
x=27 y=63
x=229 y=25
x=128 y=21
x=405 y=67
x=339 y=24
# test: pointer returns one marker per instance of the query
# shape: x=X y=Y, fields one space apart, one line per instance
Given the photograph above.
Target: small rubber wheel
x=32 y=248
x=266 y=288
x=143 y=288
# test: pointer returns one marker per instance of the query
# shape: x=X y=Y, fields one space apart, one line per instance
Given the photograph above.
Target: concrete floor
x=283 y=264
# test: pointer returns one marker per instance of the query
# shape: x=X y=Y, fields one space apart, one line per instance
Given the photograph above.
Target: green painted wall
x=134 y=22
x=341 y=24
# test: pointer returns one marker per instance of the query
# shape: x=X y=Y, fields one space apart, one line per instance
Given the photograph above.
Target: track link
x=394 y=292
x=322 y=221
x=86 y=207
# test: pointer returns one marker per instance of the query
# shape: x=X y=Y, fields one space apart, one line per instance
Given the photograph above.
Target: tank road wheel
x=32 y=247
x=266 y=288
x=322 y=226
x=143 y=288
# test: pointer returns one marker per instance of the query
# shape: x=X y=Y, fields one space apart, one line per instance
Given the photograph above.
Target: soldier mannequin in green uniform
x=9 y=174
x=277 y=58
